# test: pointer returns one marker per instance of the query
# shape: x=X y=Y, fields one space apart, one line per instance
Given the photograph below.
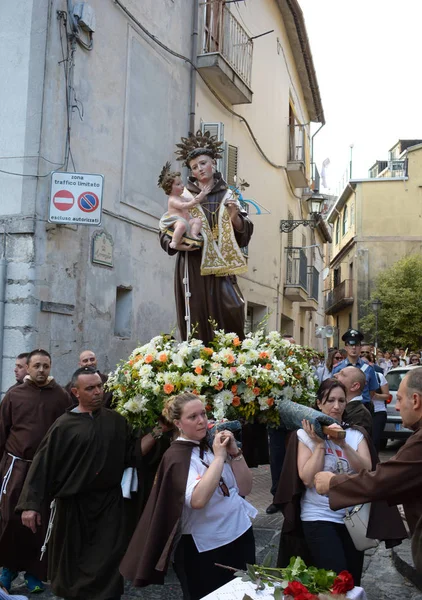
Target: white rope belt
x=187 y=296
x=49 y=528
x=6 y=478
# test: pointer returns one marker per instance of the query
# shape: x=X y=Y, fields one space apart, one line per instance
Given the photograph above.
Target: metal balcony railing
x=313 y=287
x=341 y=295
x=224 y=34
x=296 y=268
x=296 y=142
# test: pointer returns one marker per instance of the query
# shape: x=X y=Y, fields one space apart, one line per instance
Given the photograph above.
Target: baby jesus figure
x=177 y=220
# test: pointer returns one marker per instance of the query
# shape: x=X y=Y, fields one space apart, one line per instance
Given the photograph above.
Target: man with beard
x=79 y=465
x=26 y=413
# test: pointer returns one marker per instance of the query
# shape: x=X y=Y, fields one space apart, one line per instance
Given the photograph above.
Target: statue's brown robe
x=80 y=463
x=218 y=298
x=26 y=414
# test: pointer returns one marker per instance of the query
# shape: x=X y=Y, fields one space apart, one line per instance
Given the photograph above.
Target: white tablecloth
x=236 y=589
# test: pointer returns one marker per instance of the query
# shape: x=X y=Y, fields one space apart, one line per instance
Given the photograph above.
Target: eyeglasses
x=338 y=357
x=394 y=360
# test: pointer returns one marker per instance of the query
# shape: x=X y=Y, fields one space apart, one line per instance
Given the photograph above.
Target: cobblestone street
x=381 y=580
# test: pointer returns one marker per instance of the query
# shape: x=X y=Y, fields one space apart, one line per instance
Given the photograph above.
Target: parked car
x=394 y=428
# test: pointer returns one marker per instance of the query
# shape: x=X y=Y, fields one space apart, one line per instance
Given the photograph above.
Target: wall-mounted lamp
x=314 y=203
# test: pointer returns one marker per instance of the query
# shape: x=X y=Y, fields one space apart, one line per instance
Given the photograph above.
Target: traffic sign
x=86 y=187
x=88 y=202
x=63 y=200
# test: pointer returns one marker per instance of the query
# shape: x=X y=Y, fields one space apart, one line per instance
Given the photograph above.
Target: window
x=345 y=223
x=352 y=216
x=123 y=314
x=217 y=130
x=338 y=231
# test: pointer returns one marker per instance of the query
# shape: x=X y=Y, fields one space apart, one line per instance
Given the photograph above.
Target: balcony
x=296 y=286
x=296 y=160
x=226 y=57
x=339 y=297
x=311 y=304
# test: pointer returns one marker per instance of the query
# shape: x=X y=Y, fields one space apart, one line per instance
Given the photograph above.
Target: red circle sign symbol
x=63 y=200
x=88 y=202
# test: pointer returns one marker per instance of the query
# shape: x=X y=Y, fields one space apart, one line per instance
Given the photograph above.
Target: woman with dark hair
x=330 y=545
x=325 y=370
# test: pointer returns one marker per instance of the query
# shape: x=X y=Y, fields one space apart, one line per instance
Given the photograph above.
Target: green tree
x=400 y=318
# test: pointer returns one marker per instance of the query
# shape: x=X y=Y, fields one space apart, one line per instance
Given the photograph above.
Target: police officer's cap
x=353 y=337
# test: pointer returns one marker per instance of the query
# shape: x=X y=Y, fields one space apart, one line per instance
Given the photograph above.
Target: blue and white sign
x=76 y=198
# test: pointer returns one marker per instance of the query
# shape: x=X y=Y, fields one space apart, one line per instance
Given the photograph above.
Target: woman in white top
x=327 y=538
x=216 y=520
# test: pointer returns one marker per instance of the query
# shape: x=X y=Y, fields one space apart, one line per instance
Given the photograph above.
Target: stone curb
x=402 y=560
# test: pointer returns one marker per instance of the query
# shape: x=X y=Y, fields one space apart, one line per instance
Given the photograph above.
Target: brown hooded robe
x=26 y=413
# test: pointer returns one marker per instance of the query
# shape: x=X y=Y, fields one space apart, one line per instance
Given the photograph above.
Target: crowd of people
x=64 y=453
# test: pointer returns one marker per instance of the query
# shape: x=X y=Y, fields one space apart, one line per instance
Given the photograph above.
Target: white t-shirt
x=315 y=507
x=379 y=405
x=224 y=518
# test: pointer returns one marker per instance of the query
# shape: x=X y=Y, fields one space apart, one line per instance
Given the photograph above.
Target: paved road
x=380 y=580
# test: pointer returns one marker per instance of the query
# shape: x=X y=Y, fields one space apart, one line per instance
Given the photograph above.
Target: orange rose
x=131 y=363
x=236 y=401
x=230 y=359
x=268 y=366
x=263 y=355
x=234 y=389
x=219 y=386
x=195 y=392
x=236 y=342
x=250 y=382
x=149 y=358
x=270 y=401
x=208 y=407
x=208 y=351
x=168 y=388
x=163 y=357
x=256 y=391
x=198 y=370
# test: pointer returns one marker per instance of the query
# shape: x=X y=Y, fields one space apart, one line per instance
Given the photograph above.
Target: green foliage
x=315 y=580
x=400 y=318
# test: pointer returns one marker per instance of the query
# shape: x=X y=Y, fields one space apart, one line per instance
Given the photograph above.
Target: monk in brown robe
x=87 y=358
x=80 y=464
x=399 y=480
x=211 y=270
x=26 y=413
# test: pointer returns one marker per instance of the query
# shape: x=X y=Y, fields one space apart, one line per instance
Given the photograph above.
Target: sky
x=368 y=56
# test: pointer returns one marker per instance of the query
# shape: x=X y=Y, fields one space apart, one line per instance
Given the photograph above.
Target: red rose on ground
x=343 y=583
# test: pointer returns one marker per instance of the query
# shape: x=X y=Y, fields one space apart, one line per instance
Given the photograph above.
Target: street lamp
x=376 y=305
x=314 y=206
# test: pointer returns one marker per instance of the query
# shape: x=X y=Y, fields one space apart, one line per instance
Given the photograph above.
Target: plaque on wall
x=102 y=249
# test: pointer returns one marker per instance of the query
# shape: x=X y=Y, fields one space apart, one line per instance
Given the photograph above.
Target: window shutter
x=232 y=155
x=217 y=130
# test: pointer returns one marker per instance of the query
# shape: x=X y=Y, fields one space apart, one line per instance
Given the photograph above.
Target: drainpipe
x=3 y=281
x=194 y=54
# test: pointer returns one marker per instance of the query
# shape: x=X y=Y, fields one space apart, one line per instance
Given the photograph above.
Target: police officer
x=353 y=341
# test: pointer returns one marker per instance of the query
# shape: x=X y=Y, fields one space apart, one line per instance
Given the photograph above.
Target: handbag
x=357 y=519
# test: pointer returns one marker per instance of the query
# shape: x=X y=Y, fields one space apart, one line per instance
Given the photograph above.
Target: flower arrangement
x=297 y=581
x=235 y=378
